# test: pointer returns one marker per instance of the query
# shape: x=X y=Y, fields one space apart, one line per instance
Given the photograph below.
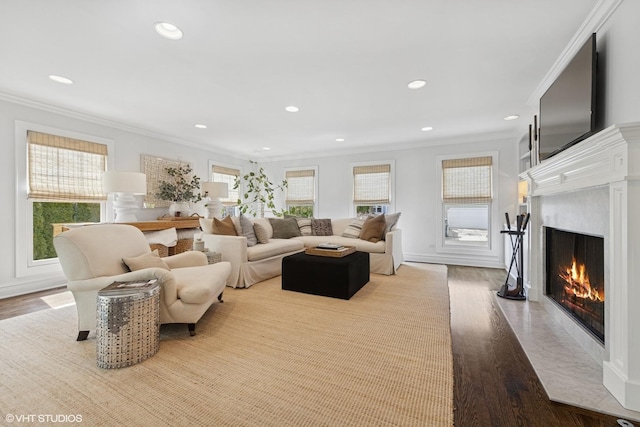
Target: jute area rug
x=266 y=357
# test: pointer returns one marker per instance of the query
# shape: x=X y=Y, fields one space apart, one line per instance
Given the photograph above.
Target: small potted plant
x=180 y=189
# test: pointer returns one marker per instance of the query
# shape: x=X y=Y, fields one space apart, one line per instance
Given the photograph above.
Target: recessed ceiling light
x=199 y=126
x=339 y=139
x=168 y=31
x=292 y=109
x=512 y=117
x=417 y=84
x=266 y=148
x=426 y=129
x=60 y=79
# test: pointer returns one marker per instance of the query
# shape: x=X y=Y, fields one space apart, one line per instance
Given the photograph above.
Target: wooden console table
x=155 y=225
x=165 y=224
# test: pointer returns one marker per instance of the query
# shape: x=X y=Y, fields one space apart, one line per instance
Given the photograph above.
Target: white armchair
x=92 y=258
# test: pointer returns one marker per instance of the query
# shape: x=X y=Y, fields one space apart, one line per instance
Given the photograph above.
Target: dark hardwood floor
x=494 y=383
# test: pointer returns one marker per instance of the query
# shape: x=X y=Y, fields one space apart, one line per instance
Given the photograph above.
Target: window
x=300 y=197
x=64 y=180
x=466 y=200
x=372 y=184
x=228 y=174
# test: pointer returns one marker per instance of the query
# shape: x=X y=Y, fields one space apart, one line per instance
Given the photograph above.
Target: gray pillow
x=391 y=221
x=284 y=228
x=261 y=233
x=247 y=230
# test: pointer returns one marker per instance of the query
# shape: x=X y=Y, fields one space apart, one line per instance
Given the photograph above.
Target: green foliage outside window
x=47 y=213
x=301 y=211
x=362 y=210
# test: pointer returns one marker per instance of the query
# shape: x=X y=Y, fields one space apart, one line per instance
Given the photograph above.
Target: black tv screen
x=567 y=108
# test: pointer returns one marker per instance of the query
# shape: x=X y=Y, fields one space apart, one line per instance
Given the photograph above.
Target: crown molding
x=594 y=21
x=39 y=105
x=511 y=135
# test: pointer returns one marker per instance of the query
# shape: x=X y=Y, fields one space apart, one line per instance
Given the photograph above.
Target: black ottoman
x=327 y=276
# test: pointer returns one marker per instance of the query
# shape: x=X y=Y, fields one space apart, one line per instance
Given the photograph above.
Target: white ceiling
x=344 y=63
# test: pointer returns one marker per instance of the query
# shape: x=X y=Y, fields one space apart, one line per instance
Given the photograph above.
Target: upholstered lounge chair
x=92 y=258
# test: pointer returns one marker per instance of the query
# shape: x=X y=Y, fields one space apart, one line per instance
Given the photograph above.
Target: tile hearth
x=568 y=376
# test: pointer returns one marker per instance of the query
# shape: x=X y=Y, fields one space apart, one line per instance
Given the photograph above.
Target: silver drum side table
x=128 y=325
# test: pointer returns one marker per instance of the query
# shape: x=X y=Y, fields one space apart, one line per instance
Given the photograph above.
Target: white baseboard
x=454 y=260
x=30 y=285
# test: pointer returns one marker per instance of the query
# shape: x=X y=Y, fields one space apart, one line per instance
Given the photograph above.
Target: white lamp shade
x=216 y=189
x=124 y=182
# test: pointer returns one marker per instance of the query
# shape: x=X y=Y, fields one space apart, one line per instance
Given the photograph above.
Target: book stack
x=330 y=246
x=134 y=286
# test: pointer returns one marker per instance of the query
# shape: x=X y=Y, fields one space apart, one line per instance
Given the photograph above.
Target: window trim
x=392 y=183
x=315 y=185
x=460 y=247
x=24 y=263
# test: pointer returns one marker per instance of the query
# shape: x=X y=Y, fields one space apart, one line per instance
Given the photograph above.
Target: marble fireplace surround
x=599 y=180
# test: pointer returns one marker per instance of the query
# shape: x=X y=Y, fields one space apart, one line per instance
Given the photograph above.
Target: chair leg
x=82 y=335
x=220 y=297
x=192 y=328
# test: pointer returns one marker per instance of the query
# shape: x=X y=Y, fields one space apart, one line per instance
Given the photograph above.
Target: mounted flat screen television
x=567 y=108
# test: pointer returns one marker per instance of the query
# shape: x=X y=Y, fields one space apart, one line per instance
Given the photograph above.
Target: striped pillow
x=353 y=230
x=304 y=224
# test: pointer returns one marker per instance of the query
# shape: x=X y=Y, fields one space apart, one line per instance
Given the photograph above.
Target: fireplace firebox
x=575 y=276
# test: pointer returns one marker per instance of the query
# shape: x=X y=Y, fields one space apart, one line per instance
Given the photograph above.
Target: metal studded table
x=128 y=323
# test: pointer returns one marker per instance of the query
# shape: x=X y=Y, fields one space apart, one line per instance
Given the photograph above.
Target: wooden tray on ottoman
x=334 y=253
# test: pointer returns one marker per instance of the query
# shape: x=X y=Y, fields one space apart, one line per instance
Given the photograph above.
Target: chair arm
x=167 y=281
x=97 y=283
x=186 y=259
x=232 y=249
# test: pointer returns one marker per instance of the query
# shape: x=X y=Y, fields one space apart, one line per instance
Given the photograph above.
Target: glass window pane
x=301 y=211
x=467 y=224
x=230 y=179
x=48 y=218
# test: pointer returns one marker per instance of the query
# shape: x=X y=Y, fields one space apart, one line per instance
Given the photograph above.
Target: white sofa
x=250 y=265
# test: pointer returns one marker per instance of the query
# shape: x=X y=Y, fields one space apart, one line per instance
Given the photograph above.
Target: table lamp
x=124 y=185
x=214 y=191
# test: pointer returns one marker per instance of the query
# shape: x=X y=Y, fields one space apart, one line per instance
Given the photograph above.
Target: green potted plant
x=258 y=192
x=180 y=189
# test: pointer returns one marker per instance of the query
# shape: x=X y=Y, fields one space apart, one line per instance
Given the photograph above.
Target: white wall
x=417 y=191
x=126 y=157
x=619 y=64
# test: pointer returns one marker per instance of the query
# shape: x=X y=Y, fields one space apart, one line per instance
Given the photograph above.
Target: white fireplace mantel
x=609 y=158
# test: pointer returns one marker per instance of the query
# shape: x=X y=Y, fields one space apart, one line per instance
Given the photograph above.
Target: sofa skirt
x=257 y=271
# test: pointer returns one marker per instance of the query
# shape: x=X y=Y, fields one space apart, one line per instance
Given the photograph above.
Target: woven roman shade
x=467 y=181
x=228 y=175
x=372 y=184
x=65 y=169
x=300 y=187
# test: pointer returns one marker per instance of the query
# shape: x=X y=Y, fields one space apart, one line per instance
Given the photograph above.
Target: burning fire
x=577 y=283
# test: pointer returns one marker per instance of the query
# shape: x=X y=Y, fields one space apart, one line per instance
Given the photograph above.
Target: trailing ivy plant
x=258 y=191
x=182 y=187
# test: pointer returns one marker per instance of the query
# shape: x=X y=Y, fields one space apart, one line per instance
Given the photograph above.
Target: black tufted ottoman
x=327 y=276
